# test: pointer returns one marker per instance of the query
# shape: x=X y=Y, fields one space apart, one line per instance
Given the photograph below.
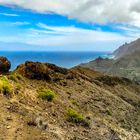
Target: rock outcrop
x=5 y=65
x=44 y=71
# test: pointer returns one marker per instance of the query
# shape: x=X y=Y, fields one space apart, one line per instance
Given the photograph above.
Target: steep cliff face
x=72 y=104
x=127 y=49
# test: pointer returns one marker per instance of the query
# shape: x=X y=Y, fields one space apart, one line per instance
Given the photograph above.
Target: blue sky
x=64 y=27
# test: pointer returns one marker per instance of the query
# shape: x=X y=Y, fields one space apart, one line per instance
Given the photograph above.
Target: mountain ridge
x=127 y=49
x=125 y=63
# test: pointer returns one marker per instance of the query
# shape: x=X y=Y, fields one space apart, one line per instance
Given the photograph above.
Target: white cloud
x=73 y=35
x=7 y=14
x=95 y=11
x=72 y=38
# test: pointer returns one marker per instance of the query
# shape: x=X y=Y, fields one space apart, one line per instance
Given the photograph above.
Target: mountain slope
x=128 y=66
x=126 y=62
x=100 y=64
x=127 y=49
x=109 y=105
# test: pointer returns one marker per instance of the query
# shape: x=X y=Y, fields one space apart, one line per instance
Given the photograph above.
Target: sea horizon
x=66 y=59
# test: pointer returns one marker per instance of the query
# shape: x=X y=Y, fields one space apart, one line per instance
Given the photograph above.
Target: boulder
x=5 y=65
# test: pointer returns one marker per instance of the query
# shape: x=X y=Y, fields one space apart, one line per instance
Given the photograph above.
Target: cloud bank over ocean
x=69 y=25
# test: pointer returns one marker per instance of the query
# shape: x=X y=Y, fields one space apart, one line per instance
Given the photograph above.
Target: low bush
x=5 y=86
x=74 y=116
x=46 y=94
x=12 y=77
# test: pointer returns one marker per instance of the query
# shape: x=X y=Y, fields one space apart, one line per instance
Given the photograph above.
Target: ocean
x=63 y=59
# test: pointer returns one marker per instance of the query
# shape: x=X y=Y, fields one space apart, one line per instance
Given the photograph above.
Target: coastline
x=62 y=59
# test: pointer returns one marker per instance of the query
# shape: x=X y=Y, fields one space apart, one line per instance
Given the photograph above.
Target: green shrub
x=7 y=90
x=46 y=94
x=74 y=116
x=13 y=78
x=3 y=79
x=5 y=86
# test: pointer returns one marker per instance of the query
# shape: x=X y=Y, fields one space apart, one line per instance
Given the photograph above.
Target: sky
x=68 y=25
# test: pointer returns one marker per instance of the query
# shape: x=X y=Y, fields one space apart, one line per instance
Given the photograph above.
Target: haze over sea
x=63 y=59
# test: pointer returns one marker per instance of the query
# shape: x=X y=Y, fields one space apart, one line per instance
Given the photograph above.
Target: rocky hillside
x=127 y=49
x=45 y=102
x=128 y=66
x=99 y=64
x=126 y=62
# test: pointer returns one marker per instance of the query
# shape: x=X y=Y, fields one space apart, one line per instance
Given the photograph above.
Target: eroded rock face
x=5 y=65
x=44 y=71
x=36 y=71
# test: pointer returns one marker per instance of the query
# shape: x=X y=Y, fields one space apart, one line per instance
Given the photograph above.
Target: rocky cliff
x=127 y=49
